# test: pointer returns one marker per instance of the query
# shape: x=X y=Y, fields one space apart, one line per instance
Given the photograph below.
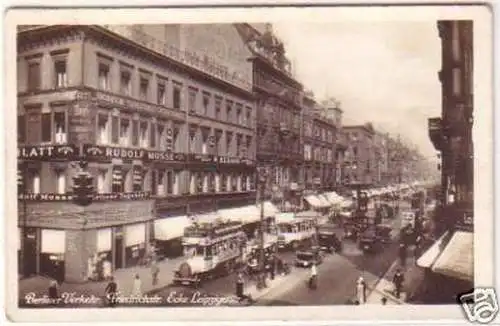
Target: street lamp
x=262 y=178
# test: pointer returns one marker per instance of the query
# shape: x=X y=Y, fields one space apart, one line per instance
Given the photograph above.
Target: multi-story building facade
x=321 y=125
x=167 y=131
x=451 y=134
x=359 y=156
x=279 y=113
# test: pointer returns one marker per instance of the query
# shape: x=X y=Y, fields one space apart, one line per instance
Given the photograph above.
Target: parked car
x=306 y=258
x=327 y=239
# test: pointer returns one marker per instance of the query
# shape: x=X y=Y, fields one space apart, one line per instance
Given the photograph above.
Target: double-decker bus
x=294 y=231
x=211 y=249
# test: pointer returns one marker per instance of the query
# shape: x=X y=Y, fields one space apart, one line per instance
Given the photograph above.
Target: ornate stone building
x=451 y=134
x=279 y=113
x=168 y=132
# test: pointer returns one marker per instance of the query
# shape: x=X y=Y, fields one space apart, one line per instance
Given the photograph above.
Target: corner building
x=168 y=133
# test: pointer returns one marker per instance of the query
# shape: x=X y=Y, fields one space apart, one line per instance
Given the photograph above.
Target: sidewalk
x=384 y=287
x=123 y=277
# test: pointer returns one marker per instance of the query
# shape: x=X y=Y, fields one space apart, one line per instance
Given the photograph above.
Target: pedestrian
x=155 y=270
x=418 y=245
x=53 y=292
x=398 y=280
x=361 y=290
x=240 y=288
x=272 y=265
x=402 y=254
x=106 y=269
x=384 y=301
x=137 y=287
x=111 y=291
x=314 y=277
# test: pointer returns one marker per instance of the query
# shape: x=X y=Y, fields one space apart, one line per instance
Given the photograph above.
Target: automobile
x=369 y=242
x=383 y=233
x=350 y=231
x=305 y=258
x=327 y=239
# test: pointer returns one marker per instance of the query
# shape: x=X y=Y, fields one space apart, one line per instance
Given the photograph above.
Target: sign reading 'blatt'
x=46 y=152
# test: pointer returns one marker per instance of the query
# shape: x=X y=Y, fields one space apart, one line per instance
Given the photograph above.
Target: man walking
x=402 y=254
x=155 y=270
x=111 y=292
x=398 y=282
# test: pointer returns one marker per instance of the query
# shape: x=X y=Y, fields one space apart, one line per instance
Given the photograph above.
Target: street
x=337 y=276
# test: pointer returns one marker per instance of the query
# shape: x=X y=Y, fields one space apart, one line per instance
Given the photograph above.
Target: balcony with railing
x=200 y=62
x=435 y=127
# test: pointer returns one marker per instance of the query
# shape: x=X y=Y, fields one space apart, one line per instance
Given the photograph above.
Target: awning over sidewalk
x=457 y=259
x=269 y=209
x=333 y=198
x=205 y=217
x=317 y=201
x=170 y=227
x=430 y=256
x=245 y=214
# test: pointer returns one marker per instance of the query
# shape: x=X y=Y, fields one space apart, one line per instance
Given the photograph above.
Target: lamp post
x=262 y=178
x=83 y=192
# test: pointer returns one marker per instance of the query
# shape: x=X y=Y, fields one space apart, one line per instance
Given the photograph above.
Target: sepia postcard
x=245 y=164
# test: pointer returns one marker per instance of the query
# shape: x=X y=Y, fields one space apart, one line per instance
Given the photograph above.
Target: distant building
x=359 y=156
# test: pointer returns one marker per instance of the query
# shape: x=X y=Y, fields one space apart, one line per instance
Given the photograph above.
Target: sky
x=383 y=72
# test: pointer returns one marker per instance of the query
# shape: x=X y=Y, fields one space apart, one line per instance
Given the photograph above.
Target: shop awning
x=324 y=201
x=430 y=256
x=457 y=259
x=310 y=214
x=171 y=227
x=205 y=217
x=333 y=198
x=346 y=203
x=245 y=214
x=284 y=217
x=269 y=209
x=317 y=201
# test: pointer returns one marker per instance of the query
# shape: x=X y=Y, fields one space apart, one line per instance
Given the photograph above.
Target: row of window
x=171 y=93
x=141 y=84
x=318 y=154
x=159 y=182
x=310 y=130
x=51 y=127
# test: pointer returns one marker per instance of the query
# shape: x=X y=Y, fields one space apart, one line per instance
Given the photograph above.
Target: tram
x=212 y=249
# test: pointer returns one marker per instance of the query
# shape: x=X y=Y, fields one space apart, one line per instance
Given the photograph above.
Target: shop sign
x=234 y=160
x=202 y=158
x=165 y=156
x=137 y=195
x=107 y=152
x=46 y=152
x=44 y=197
x=112 y=152
x=121 y=101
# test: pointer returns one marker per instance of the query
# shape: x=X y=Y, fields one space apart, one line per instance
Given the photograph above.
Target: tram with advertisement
x=212 y=249
x=294 y=231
